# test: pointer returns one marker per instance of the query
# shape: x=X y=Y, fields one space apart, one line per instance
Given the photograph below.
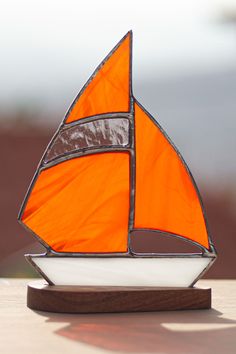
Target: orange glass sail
x=89 y=203
x=108 y=90
x=82 y=205
x=165 y=196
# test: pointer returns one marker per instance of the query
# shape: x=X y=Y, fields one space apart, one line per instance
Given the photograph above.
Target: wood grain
x=76 y=299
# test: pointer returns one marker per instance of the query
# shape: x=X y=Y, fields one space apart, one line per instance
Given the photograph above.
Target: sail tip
x=128 y=34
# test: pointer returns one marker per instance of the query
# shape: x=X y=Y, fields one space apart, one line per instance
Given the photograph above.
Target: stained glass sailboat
x=111 y=170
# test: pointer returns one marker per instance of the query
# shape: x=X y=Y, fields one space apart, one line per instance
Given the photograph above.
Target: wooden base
x=81 y=299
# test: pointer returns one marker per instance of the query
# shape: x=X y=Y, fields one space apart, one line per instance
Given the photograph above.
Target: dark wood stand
x=100 y=299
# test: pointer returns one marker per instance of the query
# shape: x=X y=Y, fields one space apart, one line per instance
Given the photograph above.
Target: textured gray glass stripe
x=98 y=133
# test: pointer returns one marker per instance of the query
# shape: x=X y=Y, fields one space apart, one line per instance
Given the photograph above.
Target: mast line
x=132 y=151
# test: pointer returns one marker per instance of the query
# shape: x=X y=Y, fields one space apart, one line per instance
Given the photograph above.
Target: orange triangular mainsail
x=165 y=196
x=108 y=89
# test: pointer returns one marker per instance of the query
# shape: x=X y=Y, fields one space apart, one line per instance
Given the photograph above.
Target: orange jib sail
x=166 y=198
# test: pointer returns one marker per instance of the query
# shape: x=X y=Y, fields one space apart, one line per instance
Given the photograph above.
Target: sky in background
x=47 y=45
x=184 y=68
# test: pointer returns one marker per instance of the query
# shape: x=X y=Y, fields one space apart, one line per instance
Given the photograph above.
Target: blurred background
x=184 y=73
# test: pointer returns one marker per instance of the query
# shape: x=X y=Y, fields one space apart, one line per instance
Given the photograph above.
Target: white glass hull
x=177 y=271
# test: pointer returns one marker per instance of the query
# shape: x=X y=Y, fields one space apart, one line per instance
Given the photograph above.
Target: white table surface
x=185 y=332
